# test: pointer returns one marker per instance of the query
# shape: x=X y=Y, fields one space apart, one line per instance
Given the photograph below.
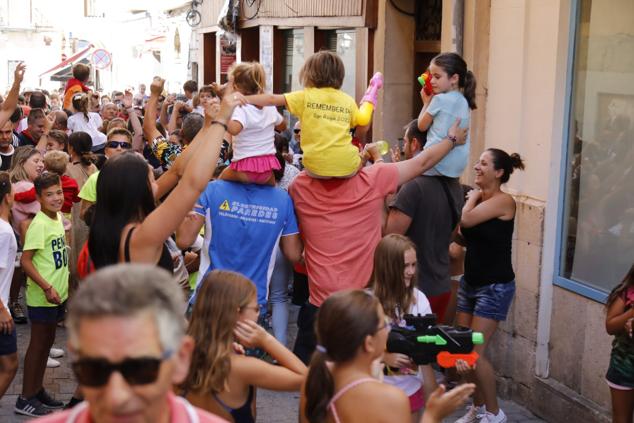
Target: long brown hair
x=618 y=290
x=215 y=314
x=343 y=322
x=388 y=282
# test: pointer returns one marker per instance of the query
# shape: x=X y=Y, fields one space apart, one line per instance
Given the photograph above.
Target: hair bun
x=517 y=161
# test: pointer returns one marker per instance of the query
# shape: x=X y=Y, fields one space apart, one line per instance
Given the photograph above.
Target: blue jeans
x=278 y=296
x=489 y=301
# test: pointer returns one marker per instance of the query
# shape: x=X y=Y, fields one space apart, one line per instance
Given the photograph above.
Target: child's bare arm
x=234 y=127
x=31 y=271
x=262 y=100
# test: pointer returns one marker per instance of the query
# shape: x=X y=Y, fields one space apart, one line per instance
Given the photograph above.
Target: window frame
x=572 y=285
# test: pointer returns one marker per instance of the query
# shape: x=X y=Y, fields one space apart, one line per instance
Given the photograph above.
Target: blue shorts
x=8 y=343
x=490 y=301
x=47 y=315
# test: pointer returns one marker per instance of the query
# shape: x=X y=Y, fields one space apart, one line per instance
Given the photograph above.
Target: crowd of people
x=169 y=233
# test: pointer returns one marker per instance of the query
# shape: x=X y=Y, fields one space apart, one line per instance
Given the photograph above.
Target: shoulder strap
x=348 y=387
x=455 y=218
x=126 y=245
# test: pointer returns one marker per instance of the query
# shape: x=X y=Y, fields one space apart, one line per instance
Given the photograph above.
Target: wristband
x=453 y=140
x=217 y=122
x=379 y=160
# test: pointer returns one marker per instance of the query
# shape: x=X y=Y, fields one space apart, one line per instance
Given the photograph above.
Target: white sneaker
x=474 y=414
x=51 y=363
x=492 y=418
x=56 y=353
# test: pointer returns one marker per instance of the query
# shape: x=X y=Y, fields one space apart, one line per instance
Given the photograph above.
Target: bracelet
x=379 y=160
x=217 y=122
x=453 y=140
x=49 y=288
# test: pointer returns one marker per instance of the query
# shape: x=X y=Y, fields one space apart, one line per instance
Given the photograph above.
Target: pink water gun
x=368 y=102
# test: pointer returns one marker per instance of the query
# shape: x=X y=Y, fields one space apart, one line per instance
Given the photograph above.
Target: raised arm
x=11 y=102
x=262 y=100
x=137 y=129
x=163 y=118
x=149 y=119
x=424 y=119
x=148 y=239
x=476 y=211
x=409 y=169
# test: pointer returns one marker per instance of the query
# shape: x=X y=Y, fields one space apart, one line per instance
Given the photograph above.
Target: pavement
x=278 y=407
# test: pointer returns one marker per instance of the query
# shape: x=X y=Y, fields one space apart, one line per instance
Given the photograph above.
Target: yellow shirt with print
x=326 y=115
x=46 y=237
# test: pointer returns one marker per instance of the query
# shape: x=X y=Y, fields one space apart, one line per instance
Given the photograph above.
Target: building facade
x=555 y=84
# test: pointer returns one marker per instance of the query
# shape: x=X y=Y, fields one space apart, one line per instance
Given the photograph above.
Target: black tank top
x=242 y=414
x=165 y=261
x=488 y=258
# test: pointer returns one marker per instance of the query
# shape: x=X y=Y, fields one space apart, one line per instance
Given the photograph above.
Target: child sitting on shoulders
x=327 y=115
x=253 y=129
x=454 y=94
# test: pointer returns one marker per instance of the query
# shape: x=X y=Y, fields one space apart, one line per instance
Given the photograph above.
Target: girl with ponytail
x=351 y=333
x=488 y=285
x=453 y=97
x=87 y=121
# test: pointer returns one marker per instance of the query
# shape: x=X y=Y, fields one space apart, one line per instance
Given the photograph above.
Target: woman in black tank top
x=127 y=226
x=488 y=286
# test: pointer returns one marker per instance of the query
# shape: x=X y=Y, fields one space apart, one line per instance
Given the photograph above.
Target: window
x=293 y=59
x=343 y=42
x=598 y=221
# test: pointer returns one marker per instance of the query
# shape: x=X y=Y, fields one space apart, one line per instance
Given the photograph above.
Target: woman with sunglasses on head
x=221 y=379
x=127 y=225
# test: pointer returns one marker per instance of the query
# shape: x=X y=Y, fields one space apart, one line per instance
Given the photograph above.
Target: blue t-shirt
x=243 y=224
x=445 y=108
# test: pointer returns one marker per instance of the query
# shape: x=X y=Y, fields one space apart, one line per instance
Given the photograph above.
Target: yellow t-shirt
x=46 y=237
x=326 y=115
x=89 y=190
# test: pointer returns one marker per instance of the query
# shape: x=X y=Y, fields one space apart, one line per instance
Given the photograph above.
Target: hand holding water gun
x=368 y=102
x=425 y=81
x=424 y=342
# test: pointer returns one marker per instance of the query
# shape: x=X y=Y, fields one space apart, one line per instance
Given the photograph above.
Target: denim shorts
x=47 y=315
x=490 y=301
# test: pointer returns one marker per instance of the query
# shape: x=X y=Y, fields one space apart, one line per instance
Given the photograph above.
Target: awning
x=64 y=70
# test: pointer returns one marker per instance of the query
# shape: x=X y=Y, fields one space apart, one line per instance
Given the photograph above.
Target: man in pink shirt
x=341 y=222
x=128 y=343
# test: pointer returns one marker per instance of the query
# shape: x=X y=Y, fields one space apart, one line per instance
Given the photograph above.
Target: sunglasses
x=297 y=131
x=123 y=144
x=95 y=372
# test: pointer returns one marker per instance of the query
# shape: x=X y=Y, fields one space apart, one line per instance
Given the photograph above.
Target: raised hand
x=156 y=87
x=18 y=73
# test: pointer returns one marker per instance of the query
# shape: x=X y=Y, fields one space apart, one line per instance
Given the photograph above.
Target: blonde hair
x=119 y=131
x=222 y=295
x=323 y=69
x=116 y=123
x=21 y=155
x=248 y=77
x=56 y=161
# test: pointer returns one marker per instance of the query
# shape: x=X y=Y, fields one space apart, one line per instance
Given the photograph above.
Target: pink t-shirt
x=340 y=221
x=180 y=411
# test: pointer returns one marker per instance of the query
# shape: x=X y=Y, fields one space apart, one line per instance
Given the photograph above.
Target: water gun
x=425 y=342
x=368 y=102
x=425 y=80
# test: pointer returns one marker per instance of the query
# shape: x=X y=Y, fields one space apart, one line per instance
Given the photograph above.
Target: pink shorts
x=416 y=401
x=258 y=169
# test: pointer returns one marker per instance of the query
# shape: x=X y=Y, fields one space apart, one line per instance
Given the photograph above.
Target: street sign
x=101 y=58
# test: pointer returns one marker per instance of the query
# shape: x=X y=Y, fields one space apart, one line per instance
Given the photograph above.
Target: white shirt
x=411 y=383
x=8 y=251
x=258 y=131
x=77 y=122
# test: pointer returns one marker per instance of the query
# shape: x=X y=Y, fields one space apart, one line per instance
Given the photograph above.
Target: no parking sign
x=101 y=58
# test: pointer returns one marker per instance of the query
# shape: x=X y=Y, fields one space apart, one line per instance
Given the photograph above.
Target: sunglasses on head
x=115 y=144
x=297 y=131
x=95 y=372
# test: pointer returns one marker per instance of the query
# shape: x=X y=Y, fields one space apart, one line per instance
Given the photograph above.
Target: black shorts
x=8 y=343
x=46 y=315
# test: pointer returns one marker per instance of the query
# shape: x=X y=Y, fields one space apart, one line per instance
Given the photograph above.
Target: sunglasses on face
x=95 y=372
x=297 y=131
x=115 y=144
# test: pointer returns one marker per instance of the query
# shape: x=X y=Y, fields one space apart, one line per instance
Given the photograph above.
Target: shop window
x=598 y=220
